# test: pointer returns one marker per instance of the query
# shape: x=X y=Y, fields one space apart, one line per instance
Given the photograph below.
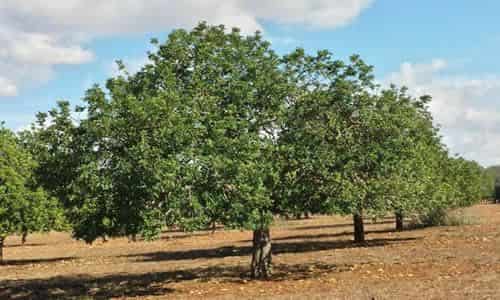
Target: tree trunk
x=359 y=228
x=261 y=257
x=2 y=239
x=24 y=237
x=132 y=238
x=399 y=221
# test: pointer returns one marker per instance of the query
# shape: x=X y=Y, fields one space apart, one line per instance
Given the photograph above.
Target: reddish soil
x=313 y=259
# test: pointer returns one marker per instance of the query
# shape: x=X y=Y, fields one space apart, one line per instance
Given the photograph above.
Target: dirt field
x=313 y=259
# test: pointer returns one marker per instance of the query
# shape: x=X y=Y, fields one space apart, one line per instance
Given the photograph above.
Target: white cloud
x=7 y=88
x=29 y=57
x=316 y=13
x=467 y=108
x=114 y=16
x=37 y=35
x=40 y=49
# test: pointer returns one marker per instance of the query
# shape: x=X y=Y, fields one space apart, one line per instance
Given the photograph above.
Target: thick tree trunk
x=24 y=237
x=2 y=239
x=359 y=228
x=261 y=257
x=399 y=221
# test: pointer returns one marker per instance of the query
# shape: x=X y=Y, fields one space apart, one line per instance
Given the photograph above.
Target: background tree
x=488 y=183
x=24 y=208
x=466 y=178
x=349 y=147
x=324 y=99
x=330 y=137
x=51 y=140
x=417 y=144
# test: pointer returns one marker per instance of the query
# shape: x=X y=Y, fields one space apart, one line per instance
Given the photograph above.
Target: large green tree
x=188 y=140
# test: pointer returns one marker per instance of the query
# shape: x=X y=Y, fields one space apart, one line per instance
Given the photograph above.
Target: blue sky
x=445 y=48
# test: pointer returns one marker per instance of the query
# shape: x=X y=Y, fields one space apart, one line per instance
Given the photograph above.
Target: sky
x=55 y=50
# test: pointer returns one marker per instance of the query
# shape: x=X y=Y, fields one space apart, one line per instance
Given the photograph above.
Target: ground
x=313 y=259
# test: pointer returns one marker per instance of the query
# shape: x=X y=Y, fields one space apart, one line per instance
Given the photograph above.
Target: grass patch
x=442 y=217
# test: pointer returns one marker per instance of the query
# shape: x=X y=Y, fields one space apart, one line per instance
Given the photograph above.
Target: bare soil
x=313 y=259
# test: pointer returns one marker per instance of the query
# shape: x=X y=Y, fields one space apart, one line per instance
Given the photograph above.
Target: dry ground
x=314 y=259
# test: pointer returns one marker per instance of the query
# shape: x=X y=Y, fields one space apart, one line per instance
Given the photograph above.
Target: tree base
x=399 y=222
x=2 y=239
x=261 y=266
x=132 y=238
x=359 y=228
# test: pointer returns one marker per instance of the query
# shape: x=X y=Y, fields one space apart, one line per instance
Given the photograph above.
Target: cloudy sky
x=52 y=50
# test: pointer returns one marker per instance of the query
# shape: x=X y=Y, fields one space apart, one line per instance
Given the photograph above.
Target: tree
x=322 y=112
x=466 y=180
x=24 y=207
x=239 y=90
x=348 y=146
x=407 y=186
x=488 y=180
x=188 y=140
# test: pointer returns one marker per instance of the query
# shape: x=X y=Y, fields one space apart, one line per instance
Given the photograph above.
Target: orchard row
x=217 y=128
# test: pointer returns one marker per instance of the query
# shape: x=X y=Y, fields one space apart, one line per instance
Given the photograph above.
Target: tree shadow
x=149 y=284
x=278 y=248
x=24 y=245
x=327 y=235
x=391 y=218
x=157 y=284
x=204 y=230
x=340 y=225
x=68 y=287
x=326 y=226
x=184 y=235
x=22 y=262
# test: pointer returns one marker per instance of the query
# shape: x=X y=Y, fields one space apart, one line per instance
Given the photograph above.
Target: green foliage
x=236 y=91
x=490 y=180
x=186 y=141
x=350 y=147
x=24 y=207
x=218 y=128
x=466 y=180
x=51 y=143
